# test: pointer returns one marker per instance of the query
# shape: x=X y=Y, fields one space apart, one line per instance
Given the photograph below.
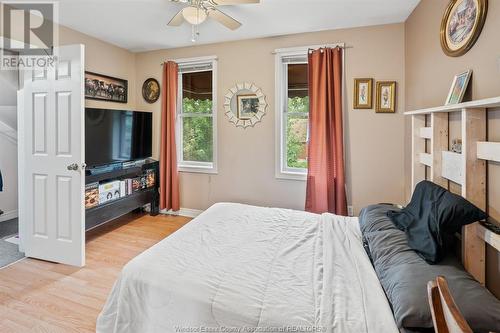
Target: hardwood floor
x=39 y=296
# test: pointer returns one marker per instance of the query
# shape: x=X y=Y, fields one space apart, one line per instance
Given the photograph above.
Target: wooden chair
x=445 y=313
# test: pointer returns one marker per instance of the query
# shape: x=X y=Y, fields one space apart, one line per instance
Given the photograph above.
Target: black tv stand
x=108 y=211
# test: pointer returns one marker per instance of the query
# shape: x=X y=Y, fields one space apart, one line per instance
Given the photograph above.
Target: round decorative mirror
x=245 y=104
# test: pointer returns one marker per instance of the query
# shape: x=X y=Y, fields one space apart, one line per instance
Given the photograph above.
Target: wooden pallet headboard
x=432 y=160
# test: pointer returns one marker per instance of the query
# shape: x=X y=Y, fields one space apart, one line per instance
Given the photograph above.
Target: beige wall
x=429 y=73
x=104 y=58
x=246 y=156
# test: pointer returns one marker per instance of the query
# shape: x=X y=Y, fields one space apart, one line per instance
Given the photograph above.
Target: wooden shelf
x=112 y=202
x=426 y=159
x=113 y=174
x=452 y=168
x=489 y=236
x=119 y=172
x=482 y=103
x=488 y=151
x=426 y=132
x=110 y=210
x=465 y=169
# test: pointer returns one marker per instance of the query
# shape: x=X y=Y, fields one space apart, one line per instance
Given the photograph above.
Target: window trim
x=282 y=171
x=193 y=166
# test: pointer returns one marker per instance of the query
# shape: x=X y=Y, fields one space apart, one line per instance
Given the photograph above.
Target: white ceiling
x=140 y=25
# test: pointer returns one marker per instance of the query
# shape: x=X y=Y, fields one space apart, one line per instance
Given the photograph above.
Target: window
x=292 y=116
x=197 y=121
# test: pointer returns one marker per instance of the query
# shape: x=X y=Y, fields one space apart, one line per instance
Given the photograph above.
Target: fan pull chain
x=194 y=33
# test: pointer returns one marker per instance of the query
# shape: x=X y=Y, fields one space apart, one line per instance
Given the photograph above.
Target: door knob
x=73 y=167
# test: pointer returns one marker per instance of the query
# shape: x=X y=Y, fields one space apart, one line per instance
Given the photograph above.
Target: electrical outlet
x=350 y=211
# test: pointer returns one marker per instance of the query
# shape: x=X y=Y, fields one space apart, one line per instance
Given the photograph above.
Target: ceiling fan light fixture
x=194 y=15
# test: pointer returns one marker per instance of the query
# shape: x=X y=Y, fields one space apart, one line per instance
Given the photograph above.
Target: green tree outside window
x=197 y=131
x=296 y=132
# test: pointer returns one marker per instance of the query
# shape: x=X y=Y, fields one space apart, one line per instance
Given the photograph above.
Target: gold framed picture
x=386 y=97
x=458 y=87
x=151 y=90
x=363 y=93
x=461 y=25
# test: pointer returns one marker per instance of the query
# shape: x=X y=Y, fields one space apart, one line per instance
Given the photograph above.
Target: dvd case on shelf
x=91 y=195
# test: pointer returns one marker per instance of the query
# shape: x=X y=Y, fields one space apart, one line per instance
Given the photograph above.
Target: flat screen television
x=113 y=136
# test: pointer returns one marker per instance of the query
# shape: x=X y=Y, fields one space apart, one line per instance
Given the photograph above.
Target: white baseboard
x=186 y=212
x=12 y=214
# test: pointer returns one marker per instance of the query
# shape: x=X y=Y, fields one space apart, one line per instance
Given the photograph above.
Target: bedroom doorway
x=9 y=223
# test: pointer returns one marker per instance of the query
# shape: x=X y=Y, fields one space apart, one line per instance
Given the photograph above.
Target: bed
x=241 y=268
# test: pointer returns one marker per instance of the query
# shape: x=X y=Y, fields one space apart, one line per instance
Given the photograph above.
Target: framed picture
x=363 y=93
x=461 y=25
x=386 y=97
x=151 y=90
x=105 y=88
x=458 y=87
x=248 y=106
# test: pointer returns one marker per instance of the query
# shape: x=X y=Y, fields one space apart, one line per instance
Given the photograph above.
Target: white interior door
x=51 y=157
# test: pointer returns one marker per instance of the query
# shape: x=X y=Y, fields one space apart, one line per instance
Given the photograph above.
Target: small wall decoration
x=458 y=88
x=248 y=106
x=105 y=88
x=151 y=90
x=461 y=25
x=245 y=104
x=363 y=93
x=386 y=97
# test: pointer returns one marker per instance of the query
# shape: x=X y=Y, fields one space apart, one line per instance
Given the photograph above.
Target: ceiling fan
x=197 y=11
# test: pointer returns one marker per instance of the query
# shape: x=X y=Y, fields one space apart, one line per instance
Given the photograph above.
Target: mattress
x=240 y=268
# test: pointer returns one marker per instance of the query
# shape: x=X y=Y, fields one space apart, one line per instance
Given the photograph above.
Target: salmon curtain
x=325 y=174
x=169 y=175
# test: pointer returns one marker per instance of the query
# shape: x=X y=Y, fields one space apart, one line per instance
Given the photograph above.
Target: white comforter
x=239 y=268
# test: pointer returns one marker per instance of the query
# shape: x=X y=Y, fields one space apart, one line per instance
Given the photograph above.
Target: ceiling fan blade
x=234 y=2
x=176 y=20
x=224 y=19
